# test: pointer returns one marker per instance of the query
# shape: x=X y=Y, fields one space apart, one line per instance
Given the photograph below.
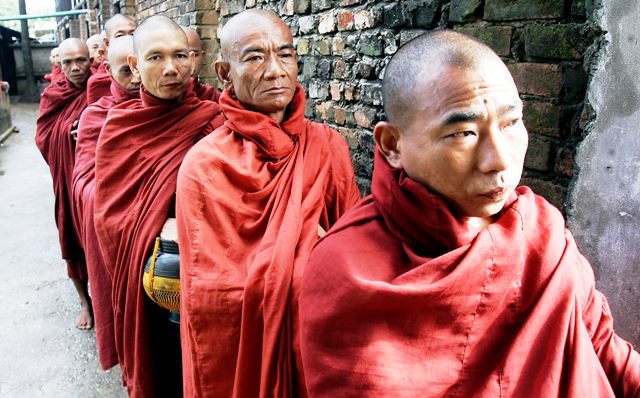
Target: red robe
x=250 y=198
x=89 y=127
x=55 y=75
x=60 y=105
x=205 y=92
x=401 y=299
x=140 y=148
x=99 y=85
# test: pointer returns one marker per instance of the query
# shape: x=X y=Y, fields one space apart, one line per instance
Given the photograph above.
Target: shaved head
x=237 y=26
x=118 y=25
x=195 y=45
x=120 y=47
x=117 y=65
x=413 y=64
x=152 y=25
x=95 y=45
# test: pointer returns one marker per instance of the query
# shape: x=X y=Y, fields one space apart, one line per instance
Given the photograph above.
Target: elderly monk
x=100 y=83
x=140 y=148
x=96 y=51
x=195 y=44
x=56 y=71
x=448 y=280
x=124 y=87
x=60 y=107
x=252 y=199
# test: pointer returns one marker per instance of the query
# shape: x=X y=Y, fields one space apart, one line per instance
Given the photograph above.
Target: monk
x=253 y=198
x=56 y=71
x=449 y=280
x=125 y=86
x=195 y=44
x=60 y=107
x=140 y=148
x=96 y=51
x=100 y=83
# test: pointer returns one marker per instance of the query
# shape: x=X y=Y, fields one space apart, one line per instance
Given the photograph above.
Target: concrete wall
x=605 y=211
x=41 y=65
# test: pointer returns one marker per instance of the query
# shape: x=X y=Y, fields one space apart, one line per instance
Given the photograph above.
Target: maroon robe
x=205 y=92
x=99 y=85
x=402 y=299
x=89 y=127
x=140 y=148
x=60 y=106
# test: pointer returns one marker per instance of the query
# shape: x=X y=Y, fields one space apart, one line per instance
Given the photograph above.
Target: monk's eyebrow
x=286 y=47
x=252 y=50
x=461 y=117
x=513 y=107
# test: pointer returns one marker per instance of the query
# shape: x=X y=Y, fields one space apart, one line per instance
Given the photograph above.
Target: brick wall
x=344 y=46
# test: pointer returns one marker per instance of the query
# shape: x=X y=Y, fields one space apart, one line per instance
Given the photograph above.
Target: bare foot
x=85 y=318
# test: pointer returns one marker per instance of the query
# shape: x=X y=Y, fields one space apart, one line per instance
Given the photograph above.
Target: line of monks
x=448 y=280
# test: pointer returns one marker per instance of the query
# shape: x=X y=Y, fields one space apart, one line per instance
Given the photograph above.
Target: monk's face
x=119 y=27
x=262 y=67
x=55 y=57
x=119 y=69
x=466 y=141
x=93 y=43
x=163 y=62
x=75 y=63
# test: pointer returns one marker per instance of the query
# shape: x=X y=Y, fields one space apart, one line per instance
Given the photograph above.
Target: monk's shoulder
x=206 y=153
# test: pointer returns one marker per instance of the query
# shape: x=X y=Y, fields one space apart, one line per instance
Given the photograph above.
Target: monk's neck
x=479 y=223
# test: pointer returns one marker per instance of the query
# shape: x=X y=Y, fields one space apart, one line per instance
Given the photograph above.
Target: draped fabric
x=89 y=127
x=205 y=92
x=55 y=75
x=60 y=106
x=250 y=199
x=98 y=85
x=139 y=151
x=401 y=299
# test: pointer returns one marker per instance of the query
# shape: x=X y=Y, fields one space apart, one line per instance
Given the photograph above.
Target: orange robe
x=401 y=299
x=89 y=126
x=60 y=106
x=140 y=149
x=249 y=201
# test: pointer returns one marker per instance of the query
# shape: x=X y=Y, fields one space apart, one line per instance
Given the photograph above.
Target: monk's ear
x=105 y=40
x=101 y=53
x=223 y=68
x=133 y=63
x=387 y=138
x=192 y=58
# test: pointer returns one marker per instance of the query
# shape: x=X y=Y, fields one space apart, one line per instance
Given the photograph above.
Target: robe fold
x=250 y=199
x=98 y=85
x=91 y=122
x=56 y=74
x=139 y=151
x=60 y=106
x=401 y=299
x=205 y=92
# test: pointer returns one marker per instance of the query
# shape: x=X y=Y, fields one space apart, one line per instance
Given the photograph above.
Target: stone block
x=322 y=46
x=538 y=154
x=327 y=23
x=301 y=6
x=496 y=37
x=556 y=194
x=208 y=17
x=345 y=20
x=318 y=90
x=207 y=32
x=303 y=46
x=463 y=10
x=509 y=10
x=204 y=4
x=324 y=111
x=370 y=44
x=390 y=42
x=335 y=89
x=408 y=34
x=565 y=161
x=286 y=7
x=340 y=69
x=307 y=24
x=349 y=91
x=352 y=2
x=542 y=118
x=544 y=80
x=364 y=19
x=320 y=5
x=579 y=9
x=425 y=16
x=323 y=68
x=370 y=93
x=394 y=15
x=365 y=116
x=309 y=66
x=337 y=45
x=559 y=42
x=575 y=83
x=340 y=115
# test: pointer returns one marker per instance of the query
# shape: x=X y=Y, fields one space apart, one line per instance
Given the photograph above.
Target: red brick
x=345 y=20
x=365 y=117
x=542 y=118
x=336 y=91
x=537 y=79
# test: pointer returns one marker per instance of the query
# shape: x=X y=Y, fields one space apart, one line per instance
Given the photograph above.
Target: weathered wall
x=605 y=215
x=41 y=65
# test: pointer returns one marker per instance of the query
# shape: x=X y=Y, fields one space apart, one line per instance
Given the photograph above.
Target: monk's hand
x=74 y=130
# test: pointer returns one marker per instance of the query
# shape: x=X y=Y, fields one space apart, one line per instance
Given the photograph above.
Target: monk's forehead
x=118 y=23
x=72 y=48
x=242 y=32
x=119 y=49
x=159 y=34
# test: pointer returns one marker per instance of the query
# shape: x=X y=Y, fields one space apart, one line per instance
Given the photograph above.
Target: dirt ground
x=42 y=354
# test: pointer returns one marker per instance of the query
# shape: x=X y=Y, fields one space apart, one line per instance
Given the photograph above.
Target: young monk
x=125 y=86
x=56 y=71
x=96 y=51
x=60 y=107
x=252 y=199
x=139 y=151
x=195 y=44
x=100 y=83
x=448 y=280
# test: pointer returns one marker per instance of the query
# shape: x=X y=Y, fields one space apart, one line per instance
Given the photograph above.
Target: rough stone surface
x=504 y=10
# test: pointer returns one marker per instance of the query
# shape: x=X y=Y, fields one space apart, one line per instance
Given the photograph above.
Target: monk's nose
x=170 y=67
x=274 y=68
x=494 y=152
